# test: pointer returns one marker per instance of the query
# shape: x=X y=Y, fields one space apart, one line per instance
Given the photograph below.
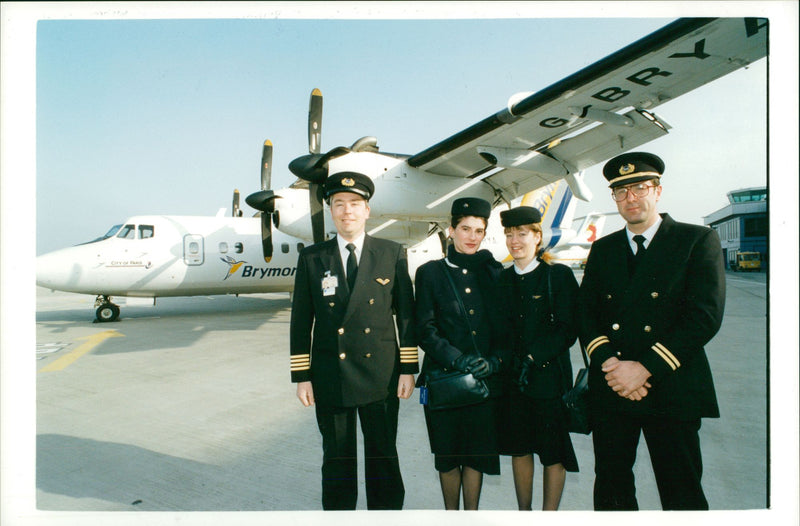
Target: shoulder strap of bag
x=460 y=303
x=552 y=318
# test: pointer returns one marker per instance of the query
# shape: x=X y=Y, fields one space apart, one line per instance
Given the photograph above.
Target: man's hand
x=627 y=378
x=305 y=393
x=405 y=386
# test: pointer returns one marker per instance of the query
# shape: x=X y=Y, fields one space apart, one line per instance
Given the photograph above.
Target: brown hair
x=455 y=220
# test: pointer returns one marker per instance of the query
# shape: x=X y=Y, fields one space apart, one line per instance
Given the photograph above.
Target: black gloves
x=465 y=363
x=479 y=367
x=527 y=363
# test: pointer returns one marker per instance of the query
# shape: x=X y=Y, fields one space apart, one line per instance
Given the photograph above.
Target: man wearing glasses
x=651 y=297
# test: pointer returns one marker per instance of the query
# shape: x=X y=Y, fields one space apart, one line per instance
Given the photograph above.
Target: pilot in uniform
x=652 y=296
x=345 y=356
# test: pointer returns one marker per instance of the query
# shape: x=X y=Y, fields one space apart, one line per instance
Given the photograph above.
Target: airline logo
x=249 y=271
x=592 y=234
x=233 y=266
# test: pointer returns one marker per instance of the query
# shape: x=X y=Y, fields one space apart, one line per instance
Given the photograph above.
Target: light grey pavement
x=187 y=406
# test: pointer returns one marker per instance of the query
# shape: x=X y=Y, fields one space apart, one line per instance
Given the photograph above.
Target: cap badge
x=347 y=181
x=626 y=169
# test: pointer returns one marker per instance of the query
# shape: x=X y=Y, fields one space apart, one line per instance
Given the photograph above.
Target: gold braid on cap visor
x=631 y=176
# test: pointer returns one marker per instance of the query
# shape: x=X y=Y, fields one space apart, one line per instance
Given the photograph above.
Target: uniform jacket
x=534 y=332
x=353 y=357
x=443 y=328
x=662 y=317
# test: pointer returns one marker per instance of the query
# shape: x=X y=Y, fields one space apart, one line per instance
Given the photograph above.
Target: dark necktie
x=352 y=266
x=640 y=250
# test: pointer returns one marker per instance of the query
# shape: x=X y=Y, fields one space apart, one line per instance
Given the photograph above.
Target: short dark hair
x=455 y=220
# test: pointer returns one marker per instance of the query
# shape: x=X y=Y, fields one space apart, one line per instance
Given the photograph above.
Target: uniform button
x=615 y=326
x=331 y=304
x=468 y=290
x=608 y=296
x=368 y=355
x=474 y=333
x=647 y=328
x=464 y=271
x=341 y=330
x=619 y=354
x=371 y=301
x=367 y=330
x=342 y=356
x=654 y=295
x=472 y=311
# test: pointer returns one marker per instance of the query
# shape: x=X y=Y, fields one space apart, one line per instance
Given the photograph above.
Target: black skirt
x=526 y=425
x=464 y=436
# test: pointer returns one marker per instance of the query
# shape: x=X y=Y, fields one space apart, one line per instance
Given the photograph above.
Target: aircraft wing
x=598 y=112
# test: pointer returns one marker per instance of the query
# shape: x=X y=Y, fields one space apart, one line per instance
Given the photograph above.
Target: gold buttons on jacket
x=367 y=330
x=608 y=296
x=331 y=304
x=371 y=301
x=341 y=330
x=647 y=328
x=472 y=311
x=615 y=326
x=654 y=295
x=474 y=333
x=342 y=356
x=463 y=271
x=468 y=290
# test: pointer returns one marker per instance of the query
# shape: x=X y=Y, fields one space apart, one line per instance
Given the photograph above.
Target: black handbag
x=448 y=389
x=576 y=401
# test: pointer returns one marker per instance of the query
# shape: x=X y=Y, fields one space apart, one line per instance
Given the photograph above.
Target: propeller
x=264 y=200
x=313 y=167
x=235 y=211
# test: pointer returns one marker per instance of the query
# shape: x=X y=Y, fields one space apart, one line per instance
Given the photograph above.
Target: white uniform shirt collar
x=529 y=268
x=648 y=235
x=344 y=253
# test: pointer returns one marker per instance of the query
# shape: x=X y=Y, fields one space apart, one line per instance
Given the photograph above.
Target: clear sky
x=168 y=116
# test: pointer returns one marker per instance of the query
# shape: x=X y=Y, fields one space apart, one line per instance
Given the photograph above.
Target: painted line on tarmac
x=91 y=342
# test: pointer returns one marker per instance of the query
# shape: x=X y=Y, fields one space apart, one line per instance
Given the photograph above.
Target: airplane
x=537 y=139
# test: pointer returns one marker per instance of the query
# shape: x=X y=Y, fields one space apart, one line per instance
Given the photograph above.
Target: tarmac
x=187 y=406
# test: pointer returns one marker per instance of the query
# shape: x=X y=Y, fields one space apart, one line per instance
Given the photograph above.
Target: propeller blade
x=266 y=235
x=317 y=218
x=315 y=122
x=263 y=201
x=266 y=165
x=235 y=212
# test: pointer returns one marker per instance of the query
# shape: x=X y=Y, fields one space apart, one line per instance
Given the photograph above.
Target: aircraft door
x=193 y=253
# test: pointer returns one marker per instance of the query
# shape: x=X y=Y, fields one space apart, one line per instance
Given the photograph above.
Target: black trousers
x=674 y=447
x=384 y=483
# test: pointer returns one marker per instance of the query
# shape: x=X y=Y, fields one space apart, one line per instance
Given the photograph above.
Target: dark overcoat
x=540 y=314
x=344 y=341
x=661 y=316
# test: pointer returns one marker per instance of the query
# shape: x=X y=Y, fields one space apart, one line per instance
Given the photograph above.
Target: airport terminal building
x=742 y=225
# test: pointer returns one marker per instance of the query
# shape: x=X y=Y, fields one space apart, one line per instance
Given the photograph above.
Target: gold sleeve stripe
x=666 y=356
x=408 y=355
x=597 y=342
x=300 y=362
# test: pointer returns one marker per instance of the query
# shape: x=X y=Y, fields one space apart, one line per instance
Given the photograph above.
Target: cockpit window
x=146 y=231
x=127 y=232
x=111 y=232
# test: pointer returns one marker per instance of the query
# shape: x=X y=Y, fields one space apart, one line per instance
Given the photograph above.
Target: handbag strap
x=460 y=303
x=552 y=313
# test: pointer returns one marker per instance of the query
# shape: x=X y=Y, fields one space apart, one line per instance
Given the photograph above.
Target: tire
x=107 y=312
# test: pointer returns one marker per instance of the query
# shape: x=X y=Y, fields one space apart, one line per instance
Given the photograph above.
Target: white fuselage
x=174 y=256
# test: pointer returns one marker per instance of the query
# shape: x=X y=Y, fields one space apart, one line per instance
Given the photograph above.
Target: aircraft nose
x=55 y=271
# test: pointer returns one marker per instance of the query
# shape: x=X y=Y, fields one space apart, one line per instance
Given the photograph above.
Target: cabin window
x=194 y=248
x=223 y=248
x=285 y=248
x=146 y=231
x=239 y=248
x=127 y=232
x=300 y=246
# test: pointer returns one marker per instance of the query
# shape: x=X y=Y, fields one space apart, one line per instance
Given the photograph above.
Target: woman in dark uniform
x=462 y=439
x=541 y=300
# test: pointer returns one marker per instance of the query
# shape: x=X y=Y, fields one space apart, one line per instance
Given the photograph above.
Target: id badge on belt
x=329 y=284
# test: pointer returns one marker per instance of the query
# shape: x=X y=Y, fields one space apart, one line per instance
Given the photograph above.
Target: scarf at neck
x=472 y=262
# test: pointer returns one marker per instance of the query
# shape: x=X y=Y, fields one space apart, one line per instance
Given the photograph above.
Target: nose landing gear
x=106 y=311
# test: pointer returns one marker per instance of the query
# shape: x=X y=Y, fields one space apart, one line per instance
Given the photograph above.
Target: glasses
x=640 y=190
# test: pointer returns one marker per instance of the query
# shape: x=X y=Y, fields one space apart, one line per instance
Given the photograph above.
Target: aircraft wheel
x=107 y=312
